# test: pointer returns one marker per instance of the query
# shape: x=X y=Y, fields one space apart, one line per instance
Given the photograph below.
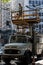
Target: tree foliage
x=5 y=1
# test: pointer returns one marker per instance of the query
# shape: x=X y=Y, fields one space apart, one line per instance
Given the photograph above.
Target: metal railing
x=26 y=14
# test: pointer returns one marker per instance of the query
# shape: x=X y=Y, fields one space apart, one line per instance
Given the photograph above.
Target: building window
x=41 y=20
x=36 y=26
x=7 y=23
x=36 y=2
x=42 y=25
x=32 y=2
x=39 y=27
x=29 y=1
x=39 y=31
x=42 y=14
x=39 y=2
x=39 y=14
x=42 y=30
x=42 y=2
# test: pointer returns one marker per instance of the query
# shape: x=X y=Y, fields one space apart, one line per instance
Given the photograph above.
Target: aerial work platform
x=28 y=16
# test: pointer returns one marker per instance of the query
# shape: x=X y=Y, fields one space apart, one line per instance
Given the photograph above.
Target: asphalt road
x=12 y=63
x=7 y=64
x=2 y=63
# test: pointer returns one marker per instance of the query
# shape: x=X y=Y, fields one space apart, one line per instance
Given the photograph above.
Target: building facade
x=5 y=15
x=5 y=22
x=0 y=16
x=39 y=26
x=38 y=4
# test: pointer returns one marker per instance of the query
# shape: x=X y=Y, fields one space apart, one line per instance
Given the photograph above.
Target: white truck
x=16 y=47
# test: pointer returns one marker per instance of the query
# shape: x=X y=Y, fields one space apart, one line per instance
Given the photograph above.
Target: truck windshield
x=18 y=39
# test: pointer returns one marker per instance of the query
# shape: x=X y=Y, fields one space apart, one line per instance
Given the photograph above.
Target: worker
x=20 y=9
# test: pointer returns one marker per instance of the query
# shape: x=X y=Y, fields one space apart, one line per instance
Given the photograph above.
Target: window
x=39 y=27
x=13 y=39
x=29 y=1
x=42 y=2
x=32 y=2
x=39 y=31
x=41 y=20
x=7 y=22
x=36 y=26
x=42 y=30
x=36 y=2
x=39 y=14
x=37 y=39
x=39 y=2
x=42 y=25
x=21 y=39
x=18 y=39
x=42 y=14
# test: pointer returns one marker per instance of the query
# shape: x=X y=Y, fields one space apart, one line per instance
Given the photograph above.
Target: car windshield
x=18 y=39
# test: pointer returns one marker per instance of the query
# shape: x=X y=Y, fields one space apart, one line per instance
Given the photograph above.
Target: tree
x=5 y=1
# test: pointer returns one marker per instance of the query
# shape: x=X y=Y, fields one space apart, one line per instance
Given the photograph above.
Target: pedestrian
x=20 y=9
x=27 y=55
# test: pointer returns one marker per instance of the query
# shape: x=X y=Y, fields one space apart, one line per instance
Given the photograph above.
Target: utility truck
x=15 y=49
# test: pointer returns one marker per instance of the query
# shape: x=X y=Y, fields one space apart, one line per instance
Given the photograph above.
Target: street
x=12 y=63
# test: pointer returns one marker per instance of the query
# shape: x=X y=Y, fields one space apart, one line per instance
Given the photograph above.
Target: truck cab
x=16 y=47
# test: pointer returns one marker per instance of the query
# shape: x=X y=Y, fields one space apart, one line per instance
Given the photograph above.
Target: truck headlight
x=19 y=52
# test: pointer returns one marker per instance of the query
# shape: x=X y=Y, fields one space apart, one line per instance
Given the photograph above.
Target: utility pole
x=33 y=43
